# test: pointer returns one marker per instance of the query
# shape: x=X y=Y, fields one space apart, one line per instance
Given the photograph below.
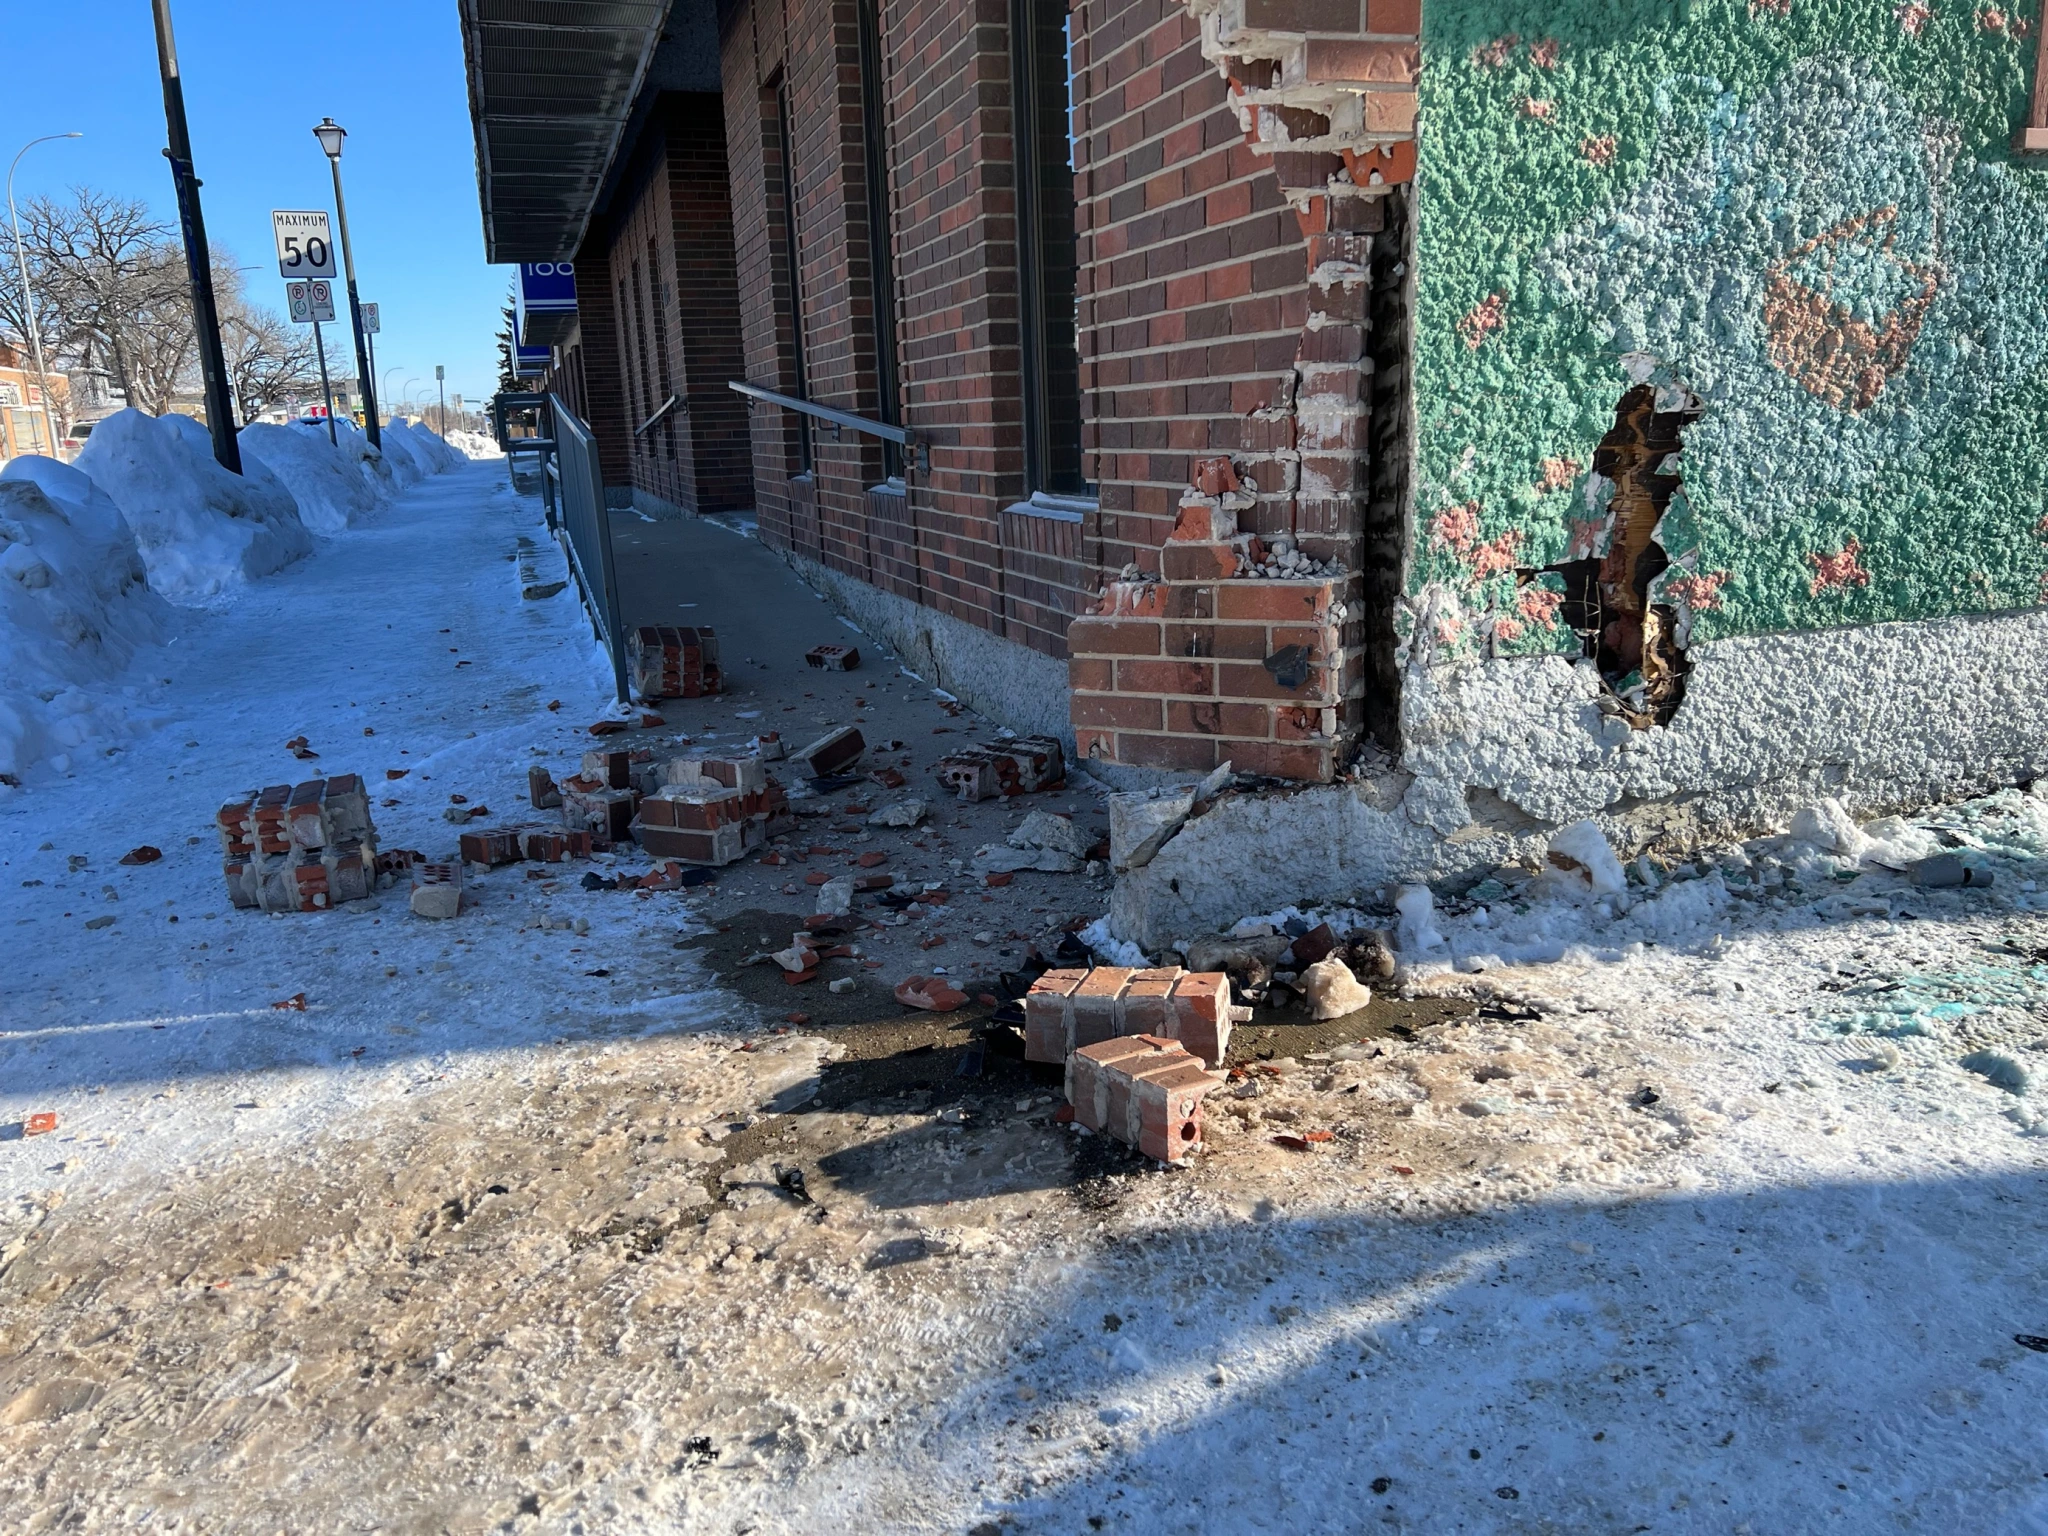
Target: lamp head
x=330 y=134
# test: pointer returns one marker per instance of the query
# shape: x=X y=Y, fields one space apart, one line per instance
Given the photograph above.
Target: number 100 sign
x=305 y=247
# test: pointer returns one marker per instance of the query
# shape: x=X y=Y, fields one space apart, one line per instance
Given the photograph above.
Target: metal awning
x=551 y=85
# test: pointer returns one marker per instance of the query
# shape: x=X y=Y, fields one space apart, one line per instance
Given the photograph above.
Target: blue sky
x=258 y=75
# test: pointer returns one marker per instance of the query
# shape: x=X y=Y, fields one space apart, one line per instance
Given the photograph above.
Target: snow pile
x=201 y=530
x=475 y=445
x=75 y=607
x=413 y=447
x=327 y=480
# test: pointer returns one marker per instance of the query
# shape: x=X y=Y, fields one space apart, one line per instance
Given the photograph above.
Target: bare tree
x=268 y=358
x=111 y=290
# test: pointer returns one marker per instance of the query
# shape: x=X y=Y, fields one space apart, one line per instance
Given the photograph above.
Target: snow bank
x=327 y=480
x=75 y=607
x=417 y=448
x=200 y=529
x=475 y=445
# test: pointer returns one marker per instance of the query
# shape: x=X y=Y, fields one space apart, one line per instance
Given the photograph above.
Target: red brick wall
x=666 y=291
x=707 y=318
x=602 y=387
x=1192 y=270
x=947 y=541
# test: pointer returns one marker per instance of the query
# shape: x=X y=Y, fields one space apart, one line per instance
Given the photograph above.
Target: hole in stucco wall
x=1383 y=526
x=1632 y=640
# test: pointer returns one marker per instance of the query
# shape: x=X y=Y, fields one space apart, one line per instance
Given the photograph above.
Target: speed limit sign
x=305 y=248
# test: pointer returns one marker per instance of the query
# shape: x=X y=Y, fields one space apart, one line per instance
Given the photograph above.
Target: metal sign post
x=441 y=382
x=373 y=324
x=310 y=303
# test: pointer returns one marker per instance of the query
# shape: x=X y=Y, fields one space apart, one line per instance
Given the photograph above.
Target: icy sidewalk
x=406 y=646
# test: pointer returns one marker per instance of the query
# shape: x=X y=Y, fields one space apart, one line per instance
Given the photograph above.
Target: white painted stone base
x=1501 y=753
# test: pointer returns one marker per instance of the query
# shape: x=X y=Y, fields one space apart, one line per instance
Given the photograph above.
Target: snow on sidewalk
x=1706 y=1235
x=407 y=647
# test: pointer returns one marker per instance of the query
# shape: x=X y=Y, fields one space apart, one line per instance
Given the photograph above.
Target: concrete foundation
x=1024 y=689
x=1499 y=754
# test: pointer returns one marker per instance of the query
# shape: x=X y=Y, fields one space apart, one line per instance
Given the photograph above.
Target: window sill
x=1057 y=509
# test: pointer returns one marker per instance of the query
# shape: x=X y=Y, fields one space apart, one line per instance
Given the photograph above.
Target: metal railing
x=586 y=532
x=914 y=447
x=572 y=491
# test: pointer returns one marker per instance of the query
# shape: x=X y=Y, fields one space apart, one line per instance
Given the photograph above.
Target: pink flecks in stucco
x=1600 y=148
x=1495 y=55
x=1507 y=628
x=1448 y=628
x=1702 y=594
x=1913 y=17
x=2002 y=23
x=1455 y=528
x=1840 y=571
x=1536 y=107
x=1480 y=322
x=1779 y=8
x=1557 y=473
x=1539 y=605
x=1544 y=54
x=1496 y=555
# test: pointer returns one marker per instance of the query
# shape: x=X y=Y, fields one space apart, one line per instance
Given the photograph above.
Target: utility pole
x=28 y=292
x=213 y=366
x=330 y=134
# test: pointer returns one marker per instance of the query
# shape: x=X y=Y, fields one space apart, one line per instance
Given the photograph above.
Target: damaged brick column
x=1246 y=642
x=1209 y=664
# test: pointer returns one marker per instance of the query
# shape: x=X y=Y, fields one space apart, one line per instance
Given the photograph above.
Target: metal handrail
x=882 y=429
x=666 y=406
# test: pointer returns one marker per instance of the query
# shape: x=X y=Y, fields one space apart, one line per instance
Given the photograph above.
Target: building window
x=664 y=378
x=881 y=261
x=640 y=348
x=1042 y=91
x=783 y=226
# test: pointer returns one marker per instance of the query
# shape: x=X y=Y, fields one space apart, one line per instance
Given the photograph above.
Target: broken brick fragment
x=142 y=855
x=833 y=658
x=39 y=1124
x=934 y=994
x=865 y=861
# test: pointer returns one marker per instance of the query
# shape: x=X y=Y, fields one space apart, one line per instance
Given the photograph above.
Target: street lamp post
x=330 y=134
x=28 y=293
x=213 y=368
x=406 y=393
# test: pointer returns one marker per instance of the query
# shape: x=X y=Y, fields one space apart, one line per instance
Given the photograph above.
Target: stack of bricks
x=1143 y=1090
x=674 y=663
x=1021 y=766
x=1202 y=666
x=711 y=811
x=1066 y=1010
x=301 y=848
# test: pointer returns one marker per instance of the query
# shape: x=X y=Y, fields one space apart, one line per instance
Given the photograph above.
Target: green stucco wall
x=1804 y=212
